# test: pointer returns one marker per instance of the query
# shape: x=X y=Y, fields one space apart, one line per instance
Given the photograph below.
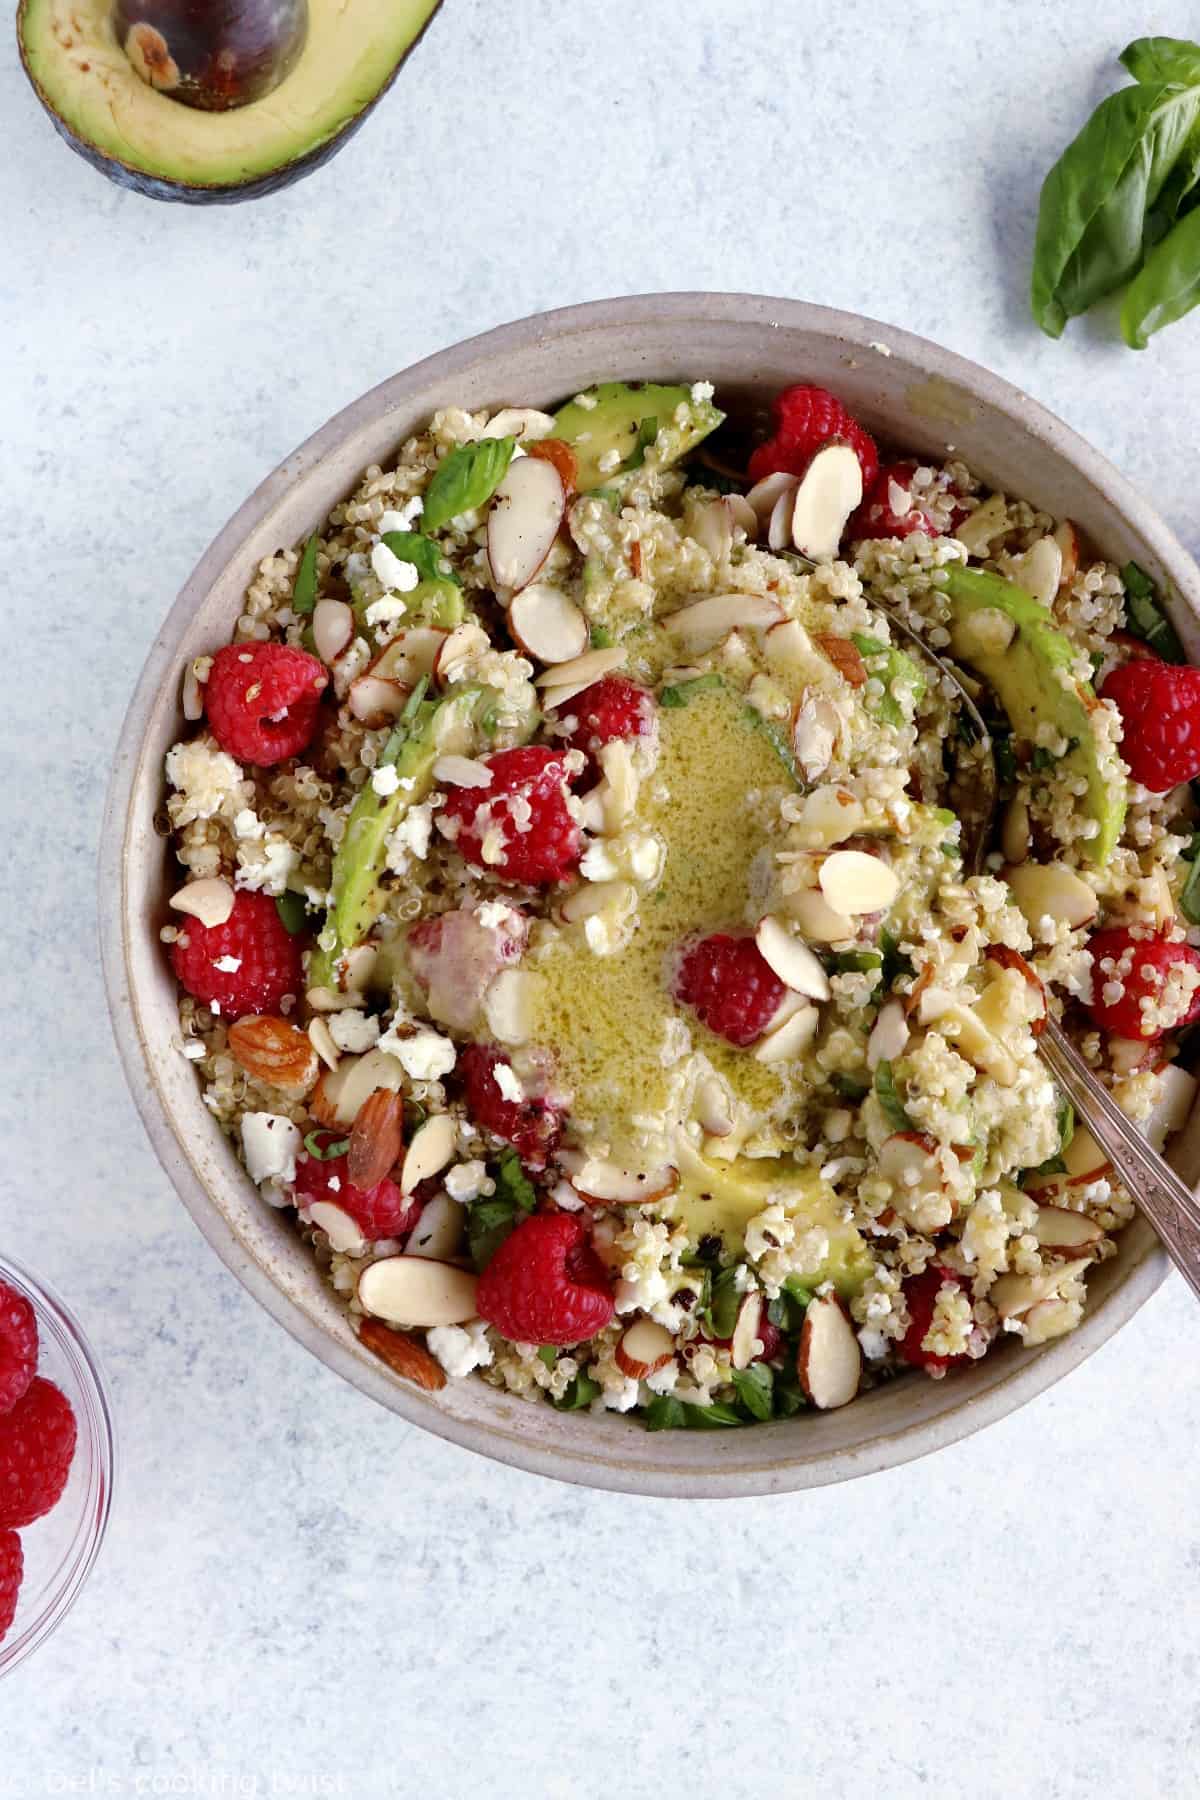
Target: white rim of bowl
x=601 y=1469
x=97 y=1429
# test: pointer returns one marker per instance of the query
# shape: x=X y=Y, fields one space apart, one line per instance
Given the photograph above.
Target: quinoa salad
x=624 y=868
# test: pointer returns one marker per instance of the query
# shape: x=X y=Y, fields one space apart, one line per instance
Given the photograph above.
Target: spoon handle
x=1167 y=1202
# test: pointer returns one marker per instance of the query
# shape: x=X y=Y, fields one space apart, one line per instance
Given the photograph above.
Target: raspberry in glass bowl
x=59 y=1549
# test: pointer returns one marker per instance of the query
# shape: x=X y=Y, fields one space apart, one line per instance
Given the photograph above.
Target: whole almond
x=845 y=657
x=404 y=1354
x=376 y=1138
x=275 y=1052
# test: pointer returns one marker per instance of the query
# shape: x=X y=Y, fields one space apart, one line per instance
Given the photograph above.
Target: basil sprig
x=304 y=592
x=1120 y=202
x=465 y=479
x=422 y=552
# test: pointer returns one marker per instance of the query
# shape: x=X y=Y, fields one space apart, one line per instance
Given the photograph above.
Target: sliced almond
x=563 y=681
x=854 y=882
x=713 y=1107
x=457 y=648
x=989 y=519
x=845 y=656
x=332 y=628
x=764 y=495
x=376 y=702
x=745 y=1336
x=321 y=1039
x=962 y=1027
x=404 y=1355
x=829 y=1360
x=508 y=1005
x=1039 y=570
x=779 y=525
x=593 y=897
x=1013 y=1294
x=376 y=1138
x=789 y=1036
x=712 y=528
x=643 y=1348
x=546 y=625
x=708 y=622
x=790 y=959
x=829 y=491
x=340 y=1092
x=192 y=697
x=210 y=901
x=525 y=423
x=1172 y=1109
x=274 y=1051
x=827 y=816
x=431 y=1150
x=1016 y=837
x=344 y=1233
x=606 y=1183
x=1067 y=1234
x=523 y=521
x=1049 y=1319
x=744 y=517
x=889 y=1035
x=910 y=1161
x=411 y=654
x=437 y=1235
x=416 y=1291
x=462 y=771
x=1084 y=1157
x=1051 y=890
x=820 y=922
x=1066 y=536
x=816 y=727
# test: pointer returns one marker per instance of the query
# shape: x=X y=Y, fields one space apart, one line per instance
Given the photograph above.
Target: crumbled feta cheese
x=424 y=1054
x=402 y=518
x=507 y=1081
x=228 y=965
x=205 y=777
x=394 y=574
x=460 y=1348
x=387 y=610
x=265 y=867
x=465 y=1181
x=353 y=1031
x=702 y=391
x=270 y=1143
x=385 y=781
x=247 y=826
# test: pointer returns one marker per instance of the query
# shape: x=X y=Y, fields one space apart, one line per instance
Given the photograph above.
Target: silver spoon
x=1166 y=1201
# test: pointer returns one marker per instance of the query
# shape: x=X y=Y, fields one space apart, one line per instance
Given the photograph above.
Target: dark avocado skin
x=153 y=187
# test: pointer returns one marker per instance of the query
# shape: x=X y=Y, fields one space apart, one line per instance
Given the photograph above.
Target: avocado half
x=147 y=141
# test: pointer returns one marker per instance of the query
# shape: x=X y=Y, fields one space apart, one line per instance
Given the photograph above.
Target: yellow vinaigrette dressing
x=608 y=1018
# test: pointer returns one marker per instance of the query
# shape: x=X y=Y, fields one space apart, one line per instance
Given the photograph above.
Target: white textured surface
x=299 y=1594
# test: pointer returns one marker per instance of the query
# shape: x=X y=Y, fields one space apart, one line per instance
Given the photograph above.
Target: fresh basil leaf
x=1167 y=286
x=1144 y=615
x=1189 y=898
x=710 y=1417
x=755 y=1388
x=1066 y=1125
x=849 y=1087
x=489 y=1223
x=797 y=1299
x=325 y=1152
x=895 y=963
x=777 y=1312
x=1159 y=61
x=855 y=962
x=664 y=1413
x=726 y=1300
x=304 y=592
x=465 y=479
x=293 y=914
x=687 y=690
x=512 y=1183
x=422 y=553
x=579 y=1393
x=789 y=1396
x=889 y=1099
x=1095 y=200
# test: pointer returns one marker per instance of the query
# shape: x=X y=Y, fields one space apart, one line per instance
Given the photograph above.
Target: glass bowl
x=61 y=1549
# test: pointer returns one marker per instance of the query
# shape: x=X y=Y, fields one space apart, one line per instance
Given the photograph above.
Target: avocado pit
x=212 y=54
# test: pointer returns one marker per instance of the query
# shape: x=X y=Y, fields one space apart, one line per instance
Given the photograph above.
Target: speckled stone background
x=299 y=1594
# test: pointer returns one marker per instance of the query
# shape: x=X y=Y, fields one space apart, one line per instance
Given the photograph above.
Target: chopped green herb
x=327 y=1152
x=664 y=1413
x=895 y=963
x=894 y=666
x=889 y=1099
x=492 y=1220
x=790 y=1397
x=849 y=1087
x=1145 y=617
x=1005 y=758
x=466 y=478
x=708 y=1418
x=601 y=637
x=580 y=1392
x=778 y=740
x=755 y=1389
x=293 y=914
x=422 y=552
x=548 y=1355
x=687 y=690
x=855 y=962
x=723 y=1308
x=646 y=437
x=512 y=1183
x=304 y=593
x=1189 y=898
x=402 y=730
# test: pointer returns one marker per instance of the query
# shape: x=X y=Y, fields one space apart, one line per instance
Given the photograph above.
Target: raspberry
x=268 y=958
x=530 y=1125
x=805 y=418
x=609 y=709
x=18 y=1346
x=545 y=1284
x=521 y=819
x=263 y=700
x=1140 y=967
x=379 y=1212
x=37 y=1444
x=920 y=1294
x=727 y=981
x=876 y=517
x=1159 y=704
x=12 y=1567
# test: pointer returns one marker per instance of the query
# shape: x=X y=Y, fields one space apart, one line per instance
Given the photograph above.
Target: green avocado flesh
x=1032 y=680
x=146 y=139
x=628 y=418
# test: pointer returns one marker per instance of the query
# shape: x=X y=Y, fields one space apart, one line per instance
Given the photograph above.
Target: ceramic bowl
x=902 y=388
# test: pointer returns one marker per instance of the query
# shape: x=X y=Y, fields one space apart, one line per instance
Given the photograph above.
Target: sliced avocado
x=1033 y=681
x=628 y=418
x=134 y=111
x=723 y=1197
x=887 y=665
x=437 y=603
